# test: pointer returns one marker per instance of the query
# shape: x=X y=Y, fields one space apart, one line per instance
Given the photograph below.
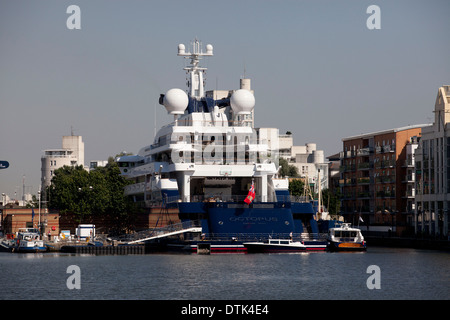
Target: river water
x=402 y=274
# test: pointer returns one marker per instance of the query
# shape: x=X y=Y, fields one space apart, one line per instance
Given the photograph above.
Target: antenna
x=154 y=123
x=195 y=72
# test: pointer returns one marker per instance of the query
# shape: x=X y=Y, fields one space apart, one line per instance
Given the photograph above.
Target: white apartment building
x=432 y=164
x=309 y=161
x=71 y=154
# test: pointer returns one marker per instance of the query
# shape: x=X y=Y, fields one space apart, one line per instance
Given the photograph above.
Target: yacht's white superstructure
x=203 y=153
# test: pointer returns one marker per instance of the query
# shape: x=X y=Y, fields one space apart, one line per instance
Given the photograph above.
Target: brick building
x=15 y=218
x=377 y=179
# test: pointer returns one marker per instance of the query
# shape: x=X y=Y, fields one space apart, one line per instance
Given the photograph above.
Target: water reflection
x=405 y=274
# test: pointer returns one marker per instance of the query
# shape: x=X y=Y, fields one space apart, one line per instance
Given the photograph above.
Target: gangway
x=170 y=230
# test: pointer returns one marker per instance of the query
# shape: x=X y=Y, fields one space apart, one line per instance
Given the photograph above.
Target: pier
x=136 y=243
x=104 y=250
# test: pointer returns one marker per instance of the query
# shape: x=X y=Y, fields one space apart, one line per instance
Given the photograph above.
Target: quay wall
x=402 y=242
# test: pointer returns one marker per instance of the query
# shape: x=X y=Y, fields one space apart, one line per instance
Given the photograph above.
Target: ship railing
x=264 y=236
x=159 y=230
x=234 y=198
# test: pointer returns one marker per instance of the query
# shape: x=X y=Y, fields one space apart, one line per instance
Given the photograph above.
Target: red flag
x=251 y=194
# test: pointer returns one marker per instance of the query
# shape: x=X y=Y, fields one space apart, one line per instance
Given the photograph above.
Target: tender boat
x=275 y=245
x=346 y=238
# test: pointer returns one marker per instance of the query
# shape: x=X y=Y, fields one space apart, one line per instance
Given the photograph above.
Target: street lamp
x=3 y=208
x=39 y=197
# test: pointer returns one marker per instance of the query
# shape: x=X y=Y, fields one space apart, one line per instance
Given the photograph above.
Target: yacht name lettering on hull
x=253 y=219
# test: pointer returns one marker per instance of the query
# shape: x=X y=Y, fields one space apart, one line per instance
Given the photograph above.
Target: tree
x=296 y=187
x=98 y=193
x=287 y=170
x=331 y=200
x=68 y=191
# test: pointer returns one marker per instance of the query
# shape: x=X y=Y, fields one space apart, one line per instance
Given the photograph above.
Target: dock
x=136 y=243
x=104 y=250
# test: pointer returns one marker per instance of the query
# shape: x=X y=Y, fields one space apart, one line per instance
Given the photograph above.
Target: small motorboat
x=346 y=238
x=274 y=246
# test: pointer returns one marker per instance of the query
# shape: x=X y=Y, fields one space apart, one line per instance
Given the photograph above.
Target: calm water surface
x=405 y=274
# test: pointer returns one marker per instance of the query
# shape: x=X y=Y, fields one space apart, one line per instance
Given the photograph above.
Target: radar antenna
x=195 y=72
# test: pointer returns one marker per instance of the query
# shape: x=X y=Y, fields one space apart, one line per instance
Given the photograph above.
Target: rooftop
x=371 y=134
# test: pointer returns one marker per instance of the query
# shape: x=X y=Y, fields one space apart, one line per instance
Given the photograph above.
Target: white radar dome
x=209 y=49
x=242 y=101
x=181 y=49
x=175 y=101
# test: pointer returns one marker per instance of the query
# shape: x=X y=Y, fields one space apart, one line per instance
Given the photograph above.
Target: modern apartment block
x=377 y=179
x=433 y=171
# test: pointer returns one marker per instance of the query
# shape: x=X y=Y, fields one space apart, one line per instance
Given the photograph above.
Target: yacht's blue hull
x=257 y=218
x=227 y=224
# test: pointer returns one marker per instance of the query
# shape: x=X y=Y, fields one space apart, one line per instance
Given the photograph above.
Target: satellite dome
x=181 y=49
x=209 y=49
x=242 y=101
x=175 y=101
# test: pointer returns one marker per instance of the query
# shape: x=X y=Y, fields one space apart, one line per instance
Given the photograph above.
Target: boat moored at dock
x=275 y=246
x=346 y=238
x=28 y=240
x=214 y=167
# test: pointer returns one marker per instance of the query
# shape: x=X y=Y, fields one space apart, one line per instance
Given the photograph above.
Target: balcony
x=385 y=179
x=364 y=180
x=409 y=163
x=410 y=194
x=347 y=168
x=386 y=194
x=364 y=152
x=347 y=182
x=365 y=166
x=347 y=154
x=364 y=195
x=385 y=164
x=385 y=149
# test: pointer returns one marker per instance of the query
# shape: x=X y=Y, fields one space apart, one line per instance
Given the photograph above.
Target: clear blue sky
x=316 y=69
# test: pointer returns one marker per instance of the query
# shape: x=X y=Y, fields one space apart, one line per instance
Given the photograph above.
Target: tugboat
x=346 y=238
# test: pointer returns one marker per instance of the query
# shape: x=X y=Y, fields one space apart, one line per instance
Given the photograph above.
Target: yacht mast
x=195 y=73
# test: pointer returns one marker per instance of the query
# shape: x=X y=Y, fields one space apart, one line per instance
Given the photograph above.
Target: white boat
x=274 y=245
x=28 y=240
x=7 y=245
x=346 y=238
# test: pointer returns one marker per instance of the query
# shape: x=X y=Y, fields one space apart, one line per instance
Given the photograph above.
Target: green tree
x=98 y=193
x=69 y=191
x=287 y=170
x=296 y=187
x=331 y=200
